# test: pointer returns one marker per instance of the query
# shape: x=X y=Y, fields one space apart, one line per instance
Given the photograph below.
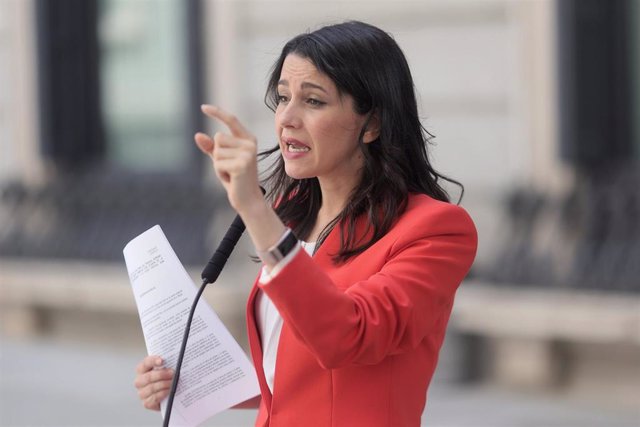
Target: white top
x=269 y=319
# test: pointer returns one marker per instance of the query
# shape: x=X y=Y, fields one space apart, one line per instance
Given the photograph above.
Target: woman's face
x=317 y=127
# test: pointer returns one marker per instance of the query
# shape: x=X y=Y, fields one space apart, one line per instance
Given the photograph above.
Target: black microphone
x=219 y=258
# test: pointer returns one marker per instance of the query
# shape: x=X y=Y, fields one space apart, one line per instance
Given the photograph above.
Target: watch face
x=287 y=244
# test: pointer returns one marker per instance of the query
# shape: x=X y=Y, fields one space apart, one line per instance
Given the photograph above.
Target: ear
x=372 y=131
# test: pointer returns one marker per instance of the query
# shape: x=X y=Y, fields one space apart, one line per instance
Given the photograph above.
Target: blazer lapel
x=331 y=245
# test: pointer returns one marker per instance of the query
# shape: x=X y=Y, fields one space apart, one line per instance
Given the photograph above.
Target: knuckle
x=151 y=401
x=142 y=381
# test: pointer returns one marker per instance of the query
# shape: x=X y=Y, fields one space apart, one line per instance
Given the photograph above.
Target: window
x=144 y=76
x=119 y=88
x=596 y=81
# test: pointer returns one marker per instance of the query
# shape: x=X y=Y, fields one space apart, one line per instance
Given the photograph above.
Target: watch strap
x=281 y=249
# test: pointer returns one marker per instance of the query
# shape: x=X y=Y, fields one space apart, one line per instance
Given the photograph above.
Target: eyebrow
x=304 y=85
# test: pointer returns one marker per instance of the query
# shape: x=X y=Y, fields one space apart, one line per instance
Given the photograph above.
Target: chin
x=296 y=174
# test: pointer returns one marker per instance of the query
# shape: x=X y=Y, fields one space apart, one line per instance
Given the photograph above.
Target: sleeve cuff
x=266 y=276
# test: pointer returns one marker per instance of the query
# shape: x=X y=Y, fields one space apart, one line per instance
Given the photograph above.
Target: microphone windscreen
x=213 y=268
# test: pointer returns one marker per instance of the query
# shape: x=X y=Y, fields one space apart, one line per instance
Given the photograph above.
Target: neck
x=335 y=195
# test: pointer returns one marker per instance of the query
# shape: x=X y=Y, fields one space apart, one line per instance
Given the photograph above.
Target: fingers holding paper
x=153 y=382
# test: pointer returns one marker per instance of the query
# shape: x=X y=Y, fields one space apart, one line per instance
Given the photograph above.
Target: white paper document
x=216 y=374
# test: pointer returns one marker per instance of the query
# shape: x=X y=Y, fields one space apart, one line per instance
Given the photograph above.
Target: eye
x=282 y=99
x=314 y=102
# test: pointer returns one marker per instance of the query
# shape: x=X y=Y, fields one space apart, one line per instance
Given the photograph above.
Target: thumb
x=204 y=143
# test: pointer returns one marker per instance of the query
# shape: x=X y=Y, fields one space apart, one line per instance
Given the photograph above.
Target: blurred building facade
x=535 y=106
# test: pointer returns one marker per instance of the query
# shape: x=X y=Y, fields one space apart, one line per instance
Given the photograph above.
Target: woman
x=356 y=313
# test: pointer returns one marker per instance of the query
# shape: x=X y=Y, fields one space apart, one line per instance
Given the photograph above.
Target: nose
x=288 y=116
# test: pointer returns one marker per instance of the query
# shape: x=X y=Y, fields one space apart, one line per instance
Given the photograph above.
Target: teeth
x=295 y=149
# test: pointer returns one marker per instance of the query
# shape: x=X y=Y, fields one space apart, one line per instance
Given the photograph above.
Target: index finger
x=231 y=121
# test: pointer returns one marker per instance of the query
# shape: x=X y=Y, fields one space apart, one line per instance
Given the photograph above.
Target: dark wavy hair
x=366 y=63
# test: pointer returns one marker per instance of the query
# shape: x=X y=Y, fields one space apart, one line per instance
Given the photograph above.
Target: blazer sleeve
x=393 y=310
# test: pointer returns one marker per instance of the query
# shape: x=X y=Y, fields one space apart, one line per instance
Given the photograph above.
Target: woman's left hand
x=234 y=157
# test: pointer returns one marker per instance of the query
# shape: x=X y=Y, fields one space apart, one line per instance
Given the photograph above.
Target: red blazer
x=360 y=340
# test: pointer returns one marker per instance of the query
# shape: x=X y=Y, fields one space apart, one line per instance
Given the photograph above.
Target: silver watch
x=281 y=249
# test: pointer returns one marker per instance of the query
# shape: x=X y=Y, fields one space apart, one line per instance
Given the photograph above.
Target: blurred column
x=19 y=119
x=222 y=53
x=536 y=24
x=526 y=362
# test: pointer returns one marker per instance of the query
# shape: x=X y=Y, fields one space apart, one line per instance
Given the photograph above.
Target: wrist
x=257 y=207
x=262 y=222
x=277 y=252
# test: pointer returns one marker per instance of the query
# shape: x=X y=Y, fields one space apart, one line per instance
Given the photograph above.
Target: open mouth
x=293 y=148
